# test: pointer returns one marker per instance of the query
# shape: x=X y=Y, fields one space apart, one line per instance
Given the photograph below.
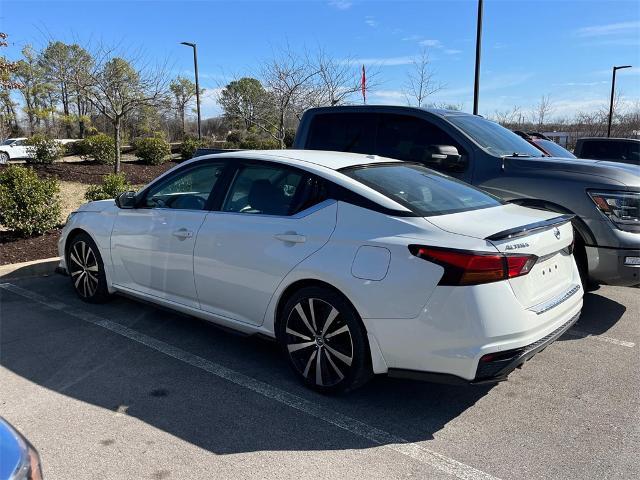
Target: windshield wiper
x=516 y=154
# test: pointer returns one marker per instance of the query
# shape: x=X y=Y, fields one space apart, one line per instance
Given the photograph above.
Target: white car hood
x=97 y=206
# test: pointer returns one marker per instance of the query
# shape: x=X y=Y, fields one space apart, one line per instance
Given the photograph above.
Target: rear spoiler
x=525 y=230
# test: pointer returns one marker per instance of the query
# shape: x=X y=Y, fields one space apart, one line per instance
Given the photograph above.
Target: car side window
x=342 y=132
x=265 y=190
x=19 y=143
x=409 y=138
x=186 y=190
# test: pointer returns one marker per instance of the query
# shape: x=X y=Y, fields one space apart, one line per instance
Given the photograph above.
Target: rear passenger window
x=264 y=190
x=409 y=138
x=342 y=132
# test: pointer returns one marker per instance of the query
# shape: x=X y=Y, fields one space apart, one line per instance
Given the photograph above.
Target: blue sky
x=564 y=49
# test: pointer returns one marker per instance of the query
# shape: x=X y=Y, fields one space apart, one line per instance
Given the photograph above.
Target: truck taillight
x=463 y=267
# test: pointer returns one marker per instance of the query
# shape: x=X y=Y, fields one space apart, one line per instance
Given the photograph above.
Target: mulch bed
x=92 y=173
x=15 y=249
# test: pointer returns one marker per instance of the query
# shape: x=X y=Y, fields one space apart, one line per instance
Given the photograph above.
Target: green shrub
x=189 y=147
x=101 y=148
x=152 y=150
x=28 y=205
x=42 y=149
x=254 y=142
x=112 y=185
x=234 y=137
x=79 y=148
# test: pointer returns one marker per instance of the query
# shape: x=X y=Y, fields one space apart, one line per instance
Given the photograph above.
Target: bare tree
x=118 y=86
x=184 y=91
x=420 y=81
x=287 y=78
x=542 y=111
x=337 y=80
x=513 y=118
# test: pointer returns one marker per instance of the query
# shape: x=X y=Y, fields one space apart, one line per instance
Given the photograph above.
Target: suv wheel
x=324 y=340
x=4 y=158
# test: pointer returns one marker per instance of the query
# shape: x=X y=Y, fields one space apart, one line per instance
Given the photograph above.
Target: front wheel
x=4 y=158
x=86 y=269
x=324 y=340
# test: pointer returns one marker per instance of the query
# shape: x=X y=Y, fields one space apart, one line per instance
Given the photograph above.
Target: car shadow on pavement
x=599 y=314
x=93 y=365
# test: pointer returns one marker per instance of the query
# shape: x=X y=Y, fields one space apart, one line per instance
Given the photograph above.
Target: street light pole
x=613 y=88
x=195 y=66
x=476 y=83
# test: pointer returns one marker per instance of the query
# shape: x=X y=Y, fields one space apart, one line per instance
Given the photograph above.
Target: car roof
x=310 y=159
x=389 y=109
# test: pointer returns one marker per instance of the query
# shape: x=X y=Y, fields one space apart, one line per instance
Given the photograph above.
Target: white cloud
x=452 y=51
x=412 y=38
x=371 y=22
x=431 y=43
x=609 y=29
x=340 y=4
x=209 y=102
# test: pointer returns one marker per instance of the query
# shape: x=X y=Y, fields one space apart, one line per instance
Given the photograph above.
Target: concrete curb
x=35 y=268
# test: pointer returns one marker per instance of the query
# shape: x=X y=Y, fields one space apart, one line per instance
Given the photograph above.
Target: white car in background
x=13 y=148
x=356 y=264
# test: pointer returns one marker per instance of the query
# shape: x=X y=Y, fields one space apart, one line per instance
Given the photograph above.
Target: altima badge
x=556 y=232
x=515 y=246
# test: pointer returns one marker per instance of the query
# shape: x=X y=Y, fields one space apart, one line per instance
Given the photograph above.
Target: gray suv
x=603 y=196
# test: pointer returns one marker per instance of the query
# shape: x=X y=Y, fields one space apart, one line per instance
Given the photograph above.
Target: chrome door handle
x=183 y=234
x=290 y=237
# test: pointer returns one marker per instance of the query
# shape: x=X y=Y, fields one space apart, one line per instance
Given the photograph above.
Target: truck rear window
x=421 y=190
x=343 y=132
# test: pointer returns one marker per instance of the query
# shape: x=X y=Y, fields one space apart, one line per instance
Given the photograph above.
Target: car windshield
x=8 y=141
x=496 y=139
x=423 y=191
x=554 y=149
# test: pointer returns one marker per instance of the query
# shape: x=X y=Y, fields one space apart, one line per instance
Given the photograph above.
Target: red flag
x=364 y=85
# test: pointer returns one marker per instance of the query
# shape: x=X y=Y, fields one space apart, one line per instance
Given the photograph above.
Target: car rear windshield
x=425 y=192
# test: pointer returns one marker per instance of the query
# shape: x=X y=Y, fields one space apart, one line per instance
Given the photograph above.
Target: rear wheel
x=86 y=269
x=324 y=340
x=4 y=157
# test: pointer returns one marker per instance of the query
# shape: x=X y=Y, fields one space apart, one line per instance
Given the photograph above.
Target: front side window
x=496 y=139
x=409 y=138
x=423 y=191
x=265 y=190
x=187 y=190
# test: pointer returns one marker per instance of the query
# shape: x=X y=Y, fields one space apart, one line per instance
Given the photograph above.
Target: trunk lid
x=515 y=230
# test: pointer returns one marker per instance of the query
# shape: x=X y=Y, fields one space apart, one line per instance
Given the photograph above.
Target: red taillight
x=463 y=267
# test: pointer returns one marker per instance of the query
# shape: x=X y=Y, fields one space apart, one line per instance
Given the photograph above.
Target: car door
x=272 y=218
x=18 y=149
x=152 y=245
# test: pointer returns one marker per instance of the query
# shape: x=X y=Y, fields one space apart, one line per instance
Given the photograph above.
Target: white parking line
x=373 y=434
x=603 y=338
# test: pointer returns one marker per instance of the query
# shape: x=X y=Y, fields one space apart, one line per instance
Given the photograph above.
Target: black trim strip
x=525 y=230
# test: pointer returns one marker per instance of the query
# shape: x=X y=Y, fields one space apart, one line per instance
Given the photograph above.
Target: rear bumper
x=496 y=369
x=607 y=265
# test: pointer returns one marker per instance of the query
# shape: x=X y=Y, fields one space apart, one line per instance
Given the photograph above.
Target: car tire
x=324 y=340
x=86 y=269
x=4 y=158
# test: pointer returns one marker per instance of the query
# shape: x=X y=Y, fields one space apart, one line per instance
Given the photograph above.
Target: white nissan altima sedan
x=356 y=264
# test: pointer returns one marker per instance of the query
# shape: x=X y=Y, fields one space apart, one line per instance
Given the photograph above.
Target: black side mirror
x=445 y=157
x=127 y=200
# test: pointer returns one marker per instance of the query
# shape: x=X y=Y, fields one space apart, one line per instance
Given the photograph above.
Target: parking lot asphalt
x=129 y=391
